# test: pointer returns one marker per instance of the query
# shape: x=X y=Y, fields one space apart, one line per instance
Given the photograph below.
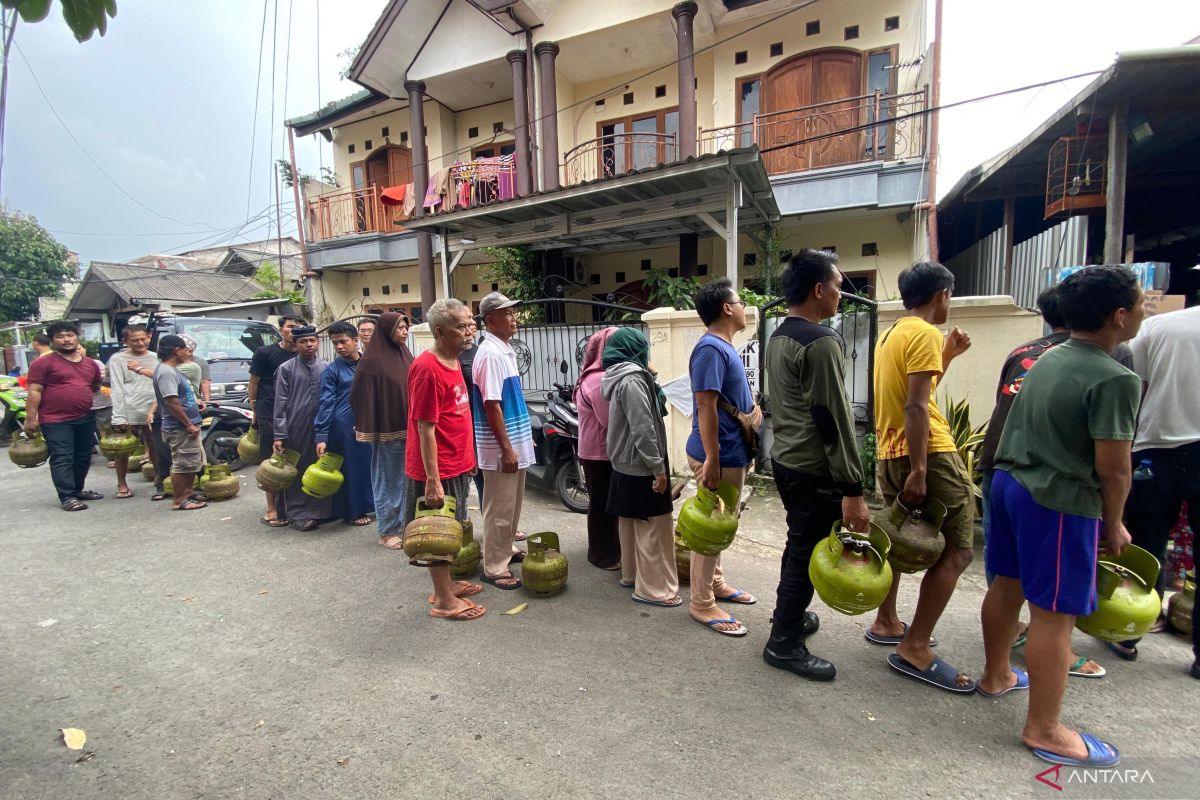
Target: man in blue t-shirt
x=717 y=450
x=180 y=421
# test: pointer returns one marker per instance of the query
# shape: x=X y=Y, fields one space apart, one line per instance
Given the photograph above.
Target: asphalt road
x=208 y=656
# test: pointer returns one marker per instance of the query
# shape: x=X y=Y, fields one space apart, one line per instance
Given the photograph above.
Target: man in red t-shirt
x=439 y=457
x=61 y=386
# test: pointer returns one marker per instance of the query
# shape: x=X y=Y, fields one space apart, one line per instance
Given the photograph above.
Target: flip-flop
x=1022 y=683
x=517 y=557
x=189 y=505
x=520 y=536
x=355 y=522
x=625 y=584
x=733 y=598
x=398 y=544
x=675 y=602
x=1122 y=652
x=88 y=494
x=1075 y=672
x=159 y=496
x=875 y=638
x=467 y=614
x=274 y=523
x=494 y=581
x=304 y=526
x=939 y=674
x=125 y=495
x=471 y=590
x=72 y=504
x=711 y=624
x=1101 y=754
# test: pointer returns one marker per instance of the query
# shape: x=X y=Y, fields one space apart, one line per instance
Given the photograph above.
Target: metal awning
x=721 y=193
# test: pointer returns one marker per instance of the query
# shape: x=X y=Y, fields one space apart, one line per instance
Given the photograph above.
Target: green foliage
x=761 y=301
x=968 y=440
x=867 y=455
x=663 y=290
x=91 y=347
x=770 y=245
x=517 y=272
x=83 y=17
x=32 y=265
x=267 y=275
x=285 y=174
x=348 y=55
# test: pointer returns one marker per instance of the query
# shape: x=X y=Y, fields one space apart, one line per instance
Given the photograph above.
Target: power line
x=254 y=119
x=90 y=158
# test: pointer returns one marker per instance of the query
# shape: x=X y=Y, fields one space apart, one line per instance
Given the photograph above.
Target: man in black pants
x=266 y=361
x=814 y=456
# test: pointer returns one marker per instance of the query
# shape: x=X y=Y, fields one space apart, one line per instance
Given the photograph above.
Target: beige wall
x=996 y=327
x=577 y=17
x=482 y=118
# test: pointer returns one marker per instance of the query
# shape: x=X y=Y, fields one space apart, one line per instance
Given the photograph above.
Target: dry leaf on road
x=517 y=609
x=341 y=762
x=74 y=738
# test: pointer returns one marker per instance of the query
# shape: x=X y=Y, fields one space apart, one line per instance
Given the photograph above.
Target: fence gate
x=857 y=324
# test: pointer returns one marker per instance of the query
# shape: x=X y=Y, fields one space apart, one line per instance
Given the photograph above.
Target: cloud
x=155 y=170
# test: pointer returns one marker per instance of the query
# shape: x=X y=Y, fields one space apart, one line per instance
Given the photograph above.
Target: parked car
x=226 y=344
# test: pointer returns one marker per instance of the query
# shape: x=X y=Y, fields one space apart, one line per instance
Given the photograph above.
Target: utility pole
x=8 y=27
x=935 y=102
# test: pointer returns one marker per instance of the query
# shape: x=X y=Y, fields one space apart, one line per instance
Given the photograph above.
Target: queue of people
x=1056 y=462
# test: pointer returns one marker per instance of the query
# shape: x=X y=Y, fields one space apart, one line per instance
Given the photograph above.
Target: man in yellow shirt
x=918 y=459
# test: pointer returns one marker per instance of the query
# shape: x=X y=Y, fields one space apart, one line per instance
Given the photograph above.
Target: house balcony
x=857 y=130
x=617 y=154
x=380 y=208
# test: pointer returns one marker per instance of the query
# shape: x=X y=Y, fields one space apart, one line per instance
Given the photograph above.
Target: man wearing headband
x=261 y=392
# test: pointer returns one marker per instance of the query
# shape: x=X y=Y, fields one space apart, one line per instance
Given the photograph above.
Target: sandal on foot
x=625 y=584
x=739 y=597
x=674 y=602
x=88 y=494
x=471 y=612
x=199 y=497
x=461 y=593
x=875 y=638
x=189 y=505
x=304 y=526
x=1022 y=683
x=72 y=504
x=1122 y=652
x=518 y=557
x=274 y=523
x=124 y=494
x=392 y=542
x=520 y=536
x=360 y=521
x=711 y=624
x=1076 y=670
x=939 y=674
x=510 y=582
x=1022 y=637
x=1101 y=754
x=160 y=495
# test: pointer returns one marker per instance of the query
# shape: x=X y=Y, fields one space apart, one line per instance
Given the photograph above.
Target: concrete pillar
x=689 y=254
x=420 y=164
x=1114 y=201
x=548 y=123
x=521 y=123
x=684 y=14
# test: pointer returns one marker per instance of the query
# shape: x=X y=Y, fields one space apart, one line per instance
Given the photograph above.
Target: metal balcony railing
x=874 y=127
x=616 y=154
x=347 y=212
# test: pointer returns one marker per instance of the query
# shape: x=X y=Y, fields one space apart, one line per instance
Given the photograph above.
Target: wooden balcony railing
x=616 y=154
x=874 y=127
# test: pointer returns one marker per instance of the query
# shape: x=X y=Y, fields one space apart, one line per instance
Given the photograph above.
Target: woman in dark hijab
x=379 y=399
x=639 y=491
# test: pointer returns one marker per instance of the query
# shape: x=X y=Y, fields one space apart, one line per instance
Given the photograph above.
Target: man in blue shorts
x=1062 y=475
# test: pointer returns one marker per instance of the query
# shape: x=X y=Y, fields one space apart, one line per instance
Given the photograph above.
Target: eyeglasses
x=738 y=302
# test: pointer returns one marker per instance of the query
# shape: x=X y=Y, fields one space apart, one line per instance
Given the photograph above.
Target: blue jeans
x=388 y=487
x=70 y=444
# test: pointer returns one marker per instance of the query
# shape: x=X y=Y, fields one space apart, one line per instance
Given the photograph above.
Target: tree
x=32 y=265
x=267 y=274
x=83 y=17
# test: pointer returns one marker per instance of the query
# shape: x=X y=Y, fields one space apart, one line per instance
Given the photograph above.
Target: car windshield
x=216 y=340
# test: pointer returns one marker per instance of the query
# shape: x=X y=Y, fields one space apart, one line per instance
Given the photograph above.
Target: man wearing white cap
x=503 y=436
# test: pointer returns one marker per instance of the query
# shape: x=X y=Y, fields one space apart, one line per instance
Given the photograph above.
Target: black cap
x=303 y=332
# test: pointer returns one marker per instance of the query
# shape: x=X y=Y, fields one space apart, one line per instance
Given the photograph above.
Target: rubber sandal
x=160 y=496
x=712 y=624
x=355 y=522
x=625 y=584
x=1075 y=672
x=733 y=598
x=392 y=542
x=1022 y=683
x=274 y=523
x=939 y=674
x=1122 y=652
x=467 y=614
x=494 y=581
x=520 y=536
x=1101 y=754
x=674 y=602
x=306 y=525
x=189 y=505
x=875 y=638
x=88 y=494
x=72 y=504
x=125 y=495
x=518 y=557
x=471 y=590
x=1022 y=637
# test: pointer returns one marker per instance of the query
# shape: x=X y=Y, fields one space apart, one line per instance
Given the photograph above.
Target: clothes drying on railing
x=438 y=190
x=481 y=181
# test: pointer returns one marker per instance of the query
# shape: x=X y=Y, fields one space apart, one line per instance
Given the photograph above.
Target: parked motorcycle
x=555 y=444
x=221 y=425
x=12 y=408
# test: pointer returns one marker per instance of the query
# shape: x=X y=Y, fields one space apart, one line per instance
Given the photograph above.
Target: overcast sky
x=165 y=104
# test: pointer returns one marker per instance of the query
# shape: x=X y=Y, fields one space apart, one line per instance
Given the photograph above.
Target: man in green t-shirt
x=1062 y=476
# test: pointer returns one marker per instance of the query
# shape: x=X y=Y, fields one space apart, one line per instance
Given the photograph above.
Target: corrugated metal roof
x=105 y=282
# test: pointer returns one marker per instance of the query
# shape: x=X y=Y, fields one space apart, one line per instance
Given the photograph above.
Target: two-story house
x=616 y=138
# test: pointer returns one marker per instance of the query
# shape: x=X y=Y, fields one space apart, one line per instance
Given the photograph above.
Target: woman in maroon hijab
x=379 y=399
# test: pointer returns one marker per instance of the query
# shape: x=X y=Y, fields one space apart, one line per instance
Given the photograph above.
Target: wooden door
x=801 y=102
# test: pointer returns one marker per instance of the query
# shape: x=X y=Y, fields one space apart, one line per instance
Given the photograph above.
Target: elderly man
x=61 y=385
x=297 y=398
x=129 y=376
x=503 y=436
x=366 y=329
x=439 y=459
